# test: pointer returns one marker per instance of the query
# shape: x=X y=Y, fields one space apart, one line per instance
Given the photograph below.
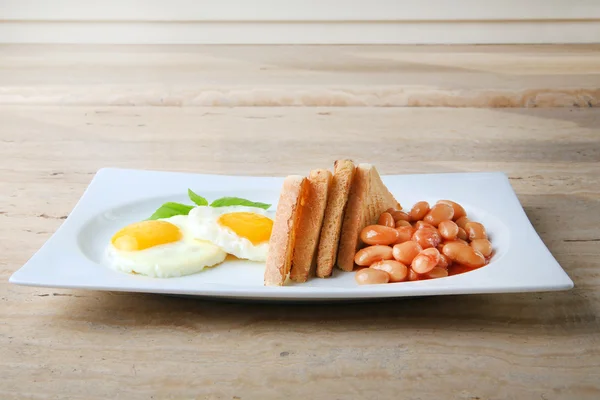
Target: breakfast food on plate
x=180 y=239
x=347 y=219
x=309 y=228
x=239 y=230
x=364 y=226
x=439 y=241
x=162 y=248
x=369 y=198
x=334 y=215
x=283 y=237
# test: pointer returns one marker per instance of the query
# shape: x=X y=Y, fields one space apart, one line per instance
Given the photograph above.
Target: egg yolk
x=145 y=234
x=254 y=227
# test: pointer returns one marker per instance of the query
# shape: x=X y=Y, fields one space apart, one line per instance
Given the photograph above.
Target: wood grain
x=386 y=76
x=57 y=344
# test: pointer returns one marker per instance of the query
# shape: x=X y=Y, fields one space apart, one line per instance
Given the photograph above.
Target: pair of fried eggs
x=186 y=244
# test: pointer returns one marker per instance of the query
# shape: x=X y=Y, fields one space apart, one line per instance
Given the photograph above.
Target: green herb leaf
x=199 y=200
x=236 y=201
x=171 y=209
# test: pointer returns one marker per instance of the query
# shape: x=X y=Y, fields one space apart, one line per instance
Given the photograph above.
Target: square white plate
x=74 y=256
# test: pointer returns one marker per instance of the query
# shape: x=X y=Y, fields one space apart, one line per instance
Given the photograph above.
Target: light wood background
x=70 y=344
x=332 y=76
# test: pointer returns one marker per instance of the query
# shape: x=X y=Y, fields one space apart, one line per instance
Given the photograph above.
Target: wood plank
x=93 y=345
x=301 y=32
x=386 y=76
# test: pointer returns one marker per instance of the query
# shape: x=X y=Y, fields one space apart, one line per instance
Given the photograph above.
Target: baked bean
x=406 y=252
x=438 y=213
x=396 y=270
x=412 y=275
x=400 y=216
x=457 y=240
x=464 y=254
x=437 y=272
x=427 y=237
x=475 y=230
x=370 y=276
x=425 y=261
x=448 y=230
x=369 y=255
x=405 y=233
x=379 y=234
x=421 y=224
x=398 y=208
x=444 y=262
x=419 y=211
x=462 y=221
x=483 y=246
x=459 y=211
x=428 y=242
x=386 y=219
x=402 y=222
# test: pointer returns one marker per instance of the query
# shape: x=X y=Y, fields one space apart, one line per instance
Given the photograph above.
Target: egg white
x=185 y=257
x=204 y=225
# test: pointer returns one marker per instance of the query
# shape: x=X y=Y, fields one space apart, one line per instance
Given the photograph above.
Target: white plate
x=74 y=256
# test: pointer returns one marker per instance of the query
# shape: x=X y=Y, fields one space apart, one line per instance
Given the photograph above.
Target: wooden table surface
x=66 y=111
x=75 y=344
x=187 y=75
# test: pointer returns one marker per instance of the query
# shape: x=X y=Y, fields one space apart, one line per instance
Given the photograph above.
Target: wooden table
x=388 y=76
x=59 y=344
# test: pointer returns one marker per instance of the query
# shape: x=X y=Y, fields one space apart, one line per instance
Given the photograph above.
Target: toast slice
x=334 y=214
x=285 y=226
x=369 y=197
x=309 y=229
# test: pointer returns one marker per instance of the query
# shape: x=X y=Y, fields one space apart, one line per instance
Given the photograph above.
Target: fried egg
x=238 y=230
x=162 y=248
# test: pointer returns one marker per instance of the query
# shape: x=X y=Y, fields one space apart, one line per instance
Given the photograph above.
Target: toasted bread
x=309 y=228
x=368 y=199
x=283 y=235
x=334 y=214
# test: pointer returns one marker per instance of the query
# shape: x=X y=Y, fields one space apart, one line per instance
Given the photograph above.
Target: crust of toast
x=369 y=197
x=283 y=235
x=334 y=213
x=309 y=228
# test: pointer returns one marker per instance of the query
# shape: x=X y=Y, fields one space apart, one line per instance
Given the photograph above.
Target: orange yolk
x=145 y=234
x=254 y=227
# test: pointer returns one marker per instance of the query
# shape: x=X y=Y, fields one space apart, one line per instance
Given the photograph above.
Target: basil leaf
x=199 y=200
x=171 y=209
x=236 y=201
